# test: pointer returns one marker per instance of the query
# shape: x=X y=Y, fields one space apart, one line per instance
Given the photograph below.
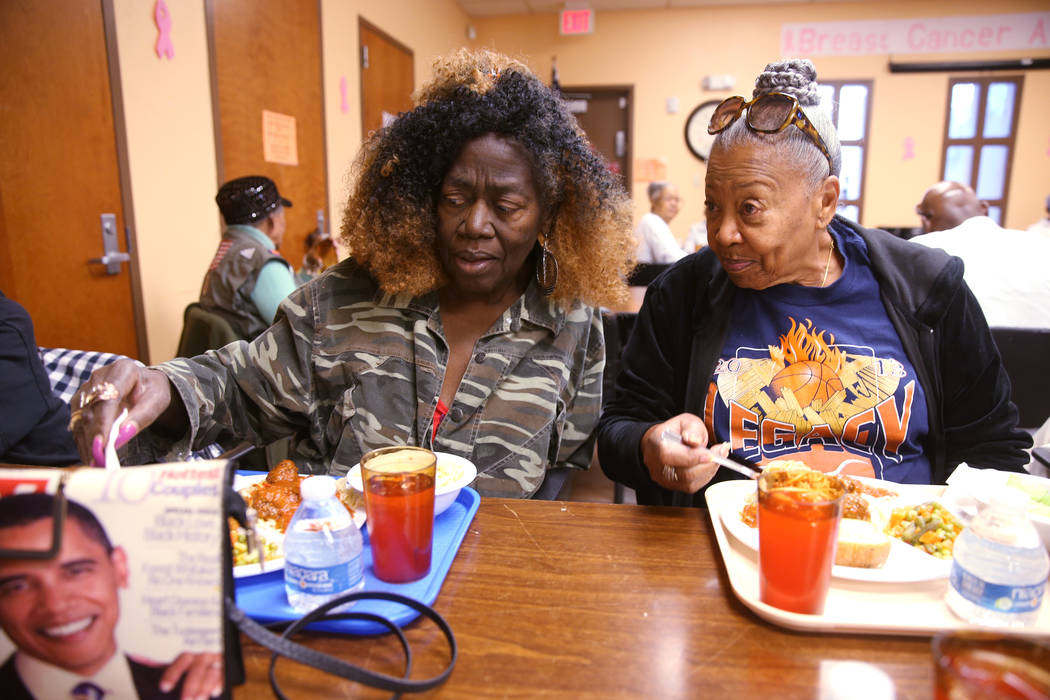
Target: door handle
x=111 y=259
x=112 y=256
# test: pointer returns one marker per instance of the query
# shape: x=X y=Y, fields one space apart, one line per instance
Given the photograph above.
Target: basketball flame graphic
x=810 y=365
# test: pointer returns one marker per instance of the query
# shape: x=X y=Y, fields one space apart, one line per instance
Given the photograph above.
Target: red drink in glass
x=982 y=666
x=797 y=530
x=399 y=501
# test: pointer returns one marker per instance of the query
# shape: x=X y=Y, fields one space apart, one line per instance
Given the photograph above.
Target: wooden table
x=590 y=600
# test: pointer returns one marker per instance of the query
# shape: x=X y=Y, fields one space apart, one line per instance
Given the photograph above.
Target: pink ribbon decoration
x=344 y=104
x=909 y=148
x=163 y=19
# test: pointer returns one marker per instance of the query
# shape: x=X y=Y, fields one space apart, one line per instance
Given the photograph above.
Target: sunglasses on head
x=767 y=114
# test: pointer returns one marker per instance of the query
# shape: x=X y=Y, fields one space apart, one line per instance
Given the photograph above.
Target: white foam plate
x=242 y=482
x=904 y=564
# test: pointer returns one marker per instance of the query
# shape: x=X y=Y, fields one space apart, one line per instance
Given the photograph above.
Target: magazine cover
x=134 y=590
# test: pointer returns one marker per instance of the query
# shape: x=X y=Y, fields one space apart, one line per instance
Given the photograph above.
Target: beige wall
x=429 y=28
x=171 y=153
x=171 y=142
x=665 y=53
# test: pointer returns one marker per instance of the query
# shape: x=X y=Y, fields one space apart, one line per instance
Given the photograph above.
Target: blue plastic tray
x=262 y=597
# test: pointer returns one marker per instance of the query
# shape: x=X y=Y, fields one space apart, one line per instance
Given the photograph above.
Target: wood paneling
x=58 y=174
x=267 y=56
x=386 y=77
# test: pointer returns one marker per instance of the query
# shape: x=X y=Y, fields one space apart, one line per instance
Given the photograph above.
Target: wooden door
x=604 y=114
x=266 y=55
x=387 y=77
x=58 y=174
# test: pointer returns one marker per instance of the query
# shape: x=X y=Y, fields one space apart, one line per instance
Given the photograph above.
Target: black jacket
x=32 y=419
x=670 y=358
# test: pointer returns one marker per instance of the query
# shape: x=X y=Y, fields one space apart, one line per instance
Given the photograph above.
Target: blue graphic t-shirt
x=820 y=375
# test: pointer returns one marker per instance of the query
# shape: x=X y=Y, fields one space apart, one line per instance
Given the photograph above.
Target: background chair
x=1025 y=353
x=203 y=330
x=644 y=273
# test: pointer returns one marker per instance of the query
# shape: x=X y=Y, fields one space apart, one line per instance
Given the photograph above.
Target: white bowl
x=1041 y=522
x=453 y=473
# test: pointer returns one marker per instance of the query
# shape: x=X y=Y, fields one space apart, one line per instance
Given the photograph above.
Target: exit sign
x=577 y=21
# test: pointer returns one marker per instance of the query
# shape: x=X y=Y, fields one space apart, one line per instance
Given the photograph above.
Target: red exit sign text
x=577 y=21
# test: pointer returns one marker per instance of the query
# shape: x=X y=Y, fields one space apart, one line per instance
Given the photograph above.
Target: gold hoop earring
x=546 y=271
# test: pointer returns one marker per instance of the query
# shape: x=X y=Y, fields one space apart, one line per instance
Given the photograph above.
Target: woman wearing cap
x=484 y=231
x=799 y=334
x=247 y=279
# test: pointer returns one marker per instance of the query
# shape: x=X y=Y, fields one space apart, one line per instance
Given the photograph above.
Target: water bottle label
x=324 y=580
x=996 y=596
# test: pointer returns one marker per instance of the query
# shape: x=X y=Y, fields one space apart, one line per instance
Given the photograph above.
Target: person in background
x=485 y=232
x=797 y=334
x=696 y=238
x=61 y=614
x=947 y=204
x=318 y=247
x=32 y=419
x=248 y=278
x=1043 y=225
x=656 y=243
x=1006 y=269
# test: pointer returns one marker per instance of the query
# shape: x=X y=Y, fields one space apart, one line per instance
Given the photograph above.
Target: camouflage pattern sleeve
x=347 y=368
x=258 y=391
x=584 y=403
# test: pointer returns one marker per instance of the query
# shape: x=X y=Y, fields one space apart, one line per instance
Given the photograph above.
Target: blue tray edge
x=263 y=599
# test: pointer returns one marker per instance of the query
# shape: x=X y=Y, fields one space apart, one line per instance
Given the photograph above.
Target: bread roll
x=861 y=544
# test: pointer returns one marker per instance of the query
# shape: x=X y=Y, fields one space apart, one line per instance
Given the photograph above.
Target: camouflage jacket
x=347 y=368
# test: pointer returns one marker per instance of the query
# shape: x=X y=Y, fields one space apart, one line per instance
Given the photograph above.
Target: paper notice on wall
x=279 y=141
x=649 y=169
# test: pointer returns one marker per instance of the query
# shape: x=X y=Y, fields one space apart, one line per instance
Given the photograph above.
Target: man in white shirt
x=61 y=614
x=1005 y=269
x=656 y=243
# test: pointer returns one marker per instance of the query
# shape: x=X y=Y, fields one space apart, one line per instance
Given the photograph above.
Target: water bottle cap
x=1009 y=499
x=315 y=488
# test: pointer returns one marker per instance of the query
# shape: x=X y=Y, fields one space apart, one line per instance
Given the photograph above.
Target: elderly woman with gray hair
x=656 y=242
x=798 y=334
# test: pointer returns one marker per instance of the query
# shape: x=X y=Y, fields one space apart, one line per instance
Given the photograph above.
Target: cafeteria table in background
x=588 y=600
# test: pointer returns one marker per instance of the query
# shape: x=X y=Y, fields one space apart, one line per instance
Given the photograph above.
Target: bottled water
x=1000 y=567
x=322 y=548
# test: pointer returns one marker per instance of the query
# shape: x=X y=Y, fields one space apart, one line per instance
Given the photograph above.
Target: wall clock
x=696 y=136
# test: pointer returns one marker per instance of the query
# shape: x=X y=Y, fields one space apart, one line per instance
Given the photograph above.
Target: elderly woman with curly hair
x=799 y=334
x=483 y=232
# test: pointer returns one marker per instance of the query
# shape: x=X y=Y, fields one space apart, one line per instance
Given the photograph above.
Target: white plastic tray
x=852 y=606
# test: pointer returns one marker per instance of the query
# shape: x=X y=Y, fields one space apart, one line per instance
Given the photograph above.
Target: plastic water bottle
x=1000 y=568
x=322 y=548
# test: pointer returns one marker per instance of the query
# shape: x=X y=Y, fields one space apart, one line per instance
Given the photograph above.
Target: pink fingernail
x=98 y=456
x=126 y=432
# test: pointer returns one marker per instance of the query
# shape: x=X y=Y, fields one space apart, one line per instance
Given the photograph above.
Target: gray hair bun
x=796 y=77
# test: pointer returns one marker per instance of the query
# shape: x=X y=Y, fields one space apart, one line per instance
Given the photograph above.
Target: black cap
x=248 y=199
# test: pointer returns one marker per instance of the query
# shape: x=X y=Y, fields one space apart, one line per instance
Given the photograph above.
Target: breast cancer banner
x=977 y=33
